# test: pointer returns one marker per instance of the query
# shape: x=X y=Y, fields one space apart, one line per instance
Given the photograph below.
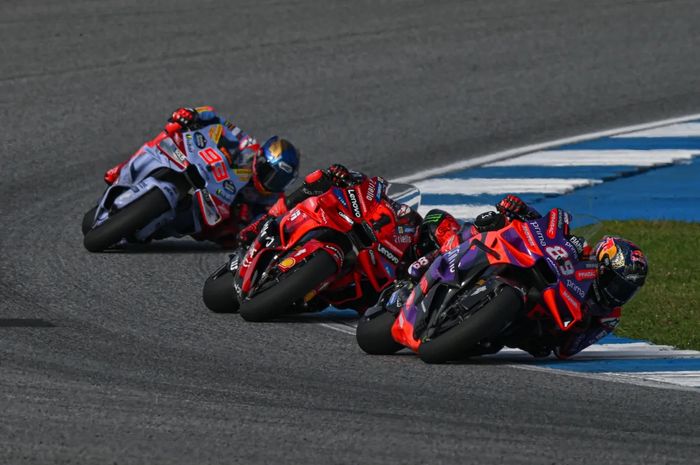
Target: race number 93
x=561 y=257
x=214 y=160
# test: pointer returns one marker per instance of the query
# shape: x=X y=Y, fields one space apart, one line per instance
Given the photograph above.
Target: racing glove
x=340 y=175
x=183 y=118
x=250 y=232
x=512 y=207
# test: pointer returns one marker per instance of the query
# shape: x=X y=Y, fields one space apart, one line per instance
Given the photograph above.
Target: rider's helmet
x=622 y=269
x=276 y=165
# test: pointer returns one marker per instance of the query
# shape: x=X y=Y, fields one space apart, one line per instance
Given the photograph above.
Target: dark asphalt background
x=112 y=358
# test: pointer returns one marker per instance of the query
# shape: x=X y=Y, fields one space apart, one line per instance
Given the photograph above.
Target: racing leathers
x=240 y=150
x=599 y=320
x=317 y=183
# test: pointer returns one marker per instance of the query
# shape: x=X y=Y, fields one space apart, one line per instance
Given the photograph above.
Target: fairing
x=197 y=156
x=522 y=245
x=356 y=226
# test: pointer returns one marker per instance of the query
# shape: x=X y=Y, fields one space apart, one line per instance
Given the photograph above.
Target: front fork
x=391 y=299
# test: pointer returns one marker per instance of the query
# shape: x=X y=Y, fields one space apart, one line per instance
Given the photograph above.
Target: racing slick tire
x=219 y=294
x=126 y=221
x=275 y=300
x=88 y=219
x=484 y=323
x=374 y=334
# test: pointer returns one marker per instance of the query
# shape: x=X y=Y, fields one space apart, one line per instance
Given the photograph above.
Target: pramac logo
x=552 y=226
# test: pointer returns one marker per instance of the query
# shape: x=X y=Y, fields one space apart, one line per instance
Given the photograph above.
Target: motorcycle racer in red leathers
x=621 y=272
x=317 y=183
x=270 y=168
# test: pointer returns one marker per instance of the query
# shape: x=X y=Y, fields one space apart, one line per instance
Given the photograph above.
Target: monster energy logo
x=432 y=218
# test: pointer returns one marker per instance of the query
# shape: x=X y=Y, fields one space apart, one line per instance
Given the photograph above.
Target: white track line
x=604 y=377
x=345 y=329
x=461 y=211
x=514 y=152
x=675 y=130
x=599 y=158
x=477 y=186
x=681 y=378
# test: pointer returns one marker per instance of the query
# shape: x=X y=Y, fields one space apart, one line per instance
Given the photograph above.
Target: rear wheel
x=218 y=293
x=294 y=285
x=374 y=334
x=127 y=221
x=484 y=323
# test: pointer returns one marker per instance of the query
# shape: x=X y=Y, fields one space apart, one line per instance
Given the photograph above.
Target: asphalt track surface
x=112 y=358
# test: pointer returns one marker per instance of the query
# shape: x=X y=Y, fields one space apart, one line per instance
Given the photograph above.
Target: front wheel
x=374 y=334
x=293 y=285
x=484 y=323
x=219 y=294
x=127 y=221
x=88 y=219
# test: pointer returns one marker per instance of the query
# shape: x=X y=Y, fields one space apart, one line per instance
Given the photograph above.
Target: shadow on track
x=169 y=246
x=25 y=323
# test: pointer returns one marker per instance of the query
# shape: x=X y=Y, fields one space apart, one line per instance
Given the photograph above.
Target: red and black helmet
x=622 y=270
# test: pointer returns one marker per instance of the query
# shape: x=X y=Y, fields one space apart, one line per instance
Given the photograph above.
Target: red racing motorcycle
x=338 y=248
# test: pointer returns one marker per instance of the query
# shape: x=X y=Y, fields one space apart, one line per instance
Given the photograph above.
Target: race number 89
x=561 y=257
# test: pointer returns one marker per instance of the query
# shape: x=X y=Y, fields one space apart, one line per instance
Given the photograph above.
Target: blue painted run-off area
x=671 y=193
x=625 y=365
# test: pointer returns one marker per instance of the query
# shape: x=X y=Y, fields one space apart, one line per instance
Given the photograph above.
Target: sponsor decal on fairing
x=528 y=235
x=371 y=189
x=538 y=231
x=552 y=225
x=199 y=140
x=345 y=217
x=388 y=254
x=355 y=203
x=575 y=287
x=583 y=275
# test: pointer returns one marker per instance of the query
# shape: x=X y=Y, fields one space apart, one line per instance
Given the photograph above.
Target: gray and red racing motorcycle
x=163 y=191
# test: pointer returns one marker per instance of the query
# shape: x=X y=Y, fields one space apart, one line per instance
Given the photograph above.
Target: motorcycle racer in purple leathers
x=621 y=270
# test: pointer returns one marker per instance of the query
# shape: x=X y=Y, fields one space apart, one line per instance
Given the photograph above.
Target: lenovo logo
x=354 y=203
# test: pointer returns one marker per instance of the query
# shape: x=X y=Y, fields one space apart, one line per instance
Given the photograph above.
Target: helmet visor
x=275 y=179
x=617 y=289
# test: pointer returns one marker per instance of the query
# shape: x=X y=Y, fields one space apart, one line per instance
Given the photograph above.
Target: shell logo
x=287 y=263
